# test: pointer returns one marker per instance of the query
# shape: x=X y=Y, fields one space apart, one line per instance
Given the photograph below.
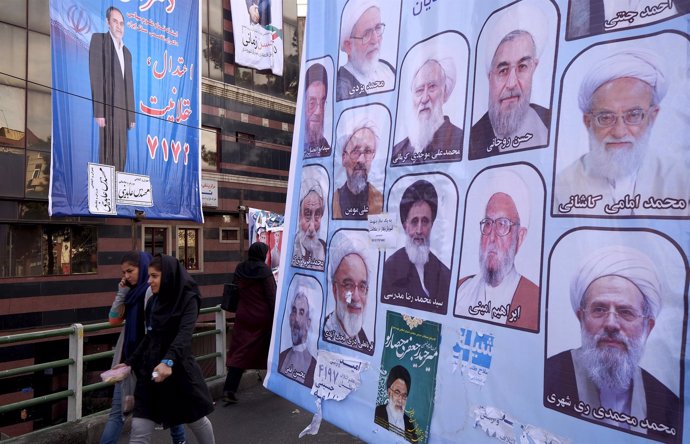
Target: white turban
x=520 y=17
x=449 y=71
x=636 y=63
x=351 y=13
x=621 y=261
x=308 y=185
x=509 y=182
x=350 y=243
x=350 y=124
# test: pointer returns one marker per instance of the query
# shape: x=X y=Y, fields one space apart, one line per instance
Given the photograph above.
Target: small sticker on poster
x=101 y=189
x=336 y=375
x=382 y=231
x=134 y=189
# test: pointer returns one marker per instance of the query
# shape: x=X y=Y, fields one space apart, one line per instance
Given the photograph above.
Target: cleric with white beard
x=622 y=174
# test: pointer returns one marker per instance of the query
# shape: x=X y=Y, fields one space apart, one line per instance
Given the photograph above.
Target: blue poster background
x=163 y=38
x=492 y=378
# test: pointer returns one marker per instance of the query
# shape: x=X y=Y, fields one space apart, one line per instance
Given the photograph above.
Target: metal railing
x=75 y=362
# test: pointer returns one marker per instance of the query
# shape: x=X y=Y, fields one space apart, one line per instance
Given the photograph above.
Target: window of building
x=246 y=139
x=188 y=247
x=47 y=250
x=156 y=240
x=229 y=235
x=212 y=36
x=209 y=148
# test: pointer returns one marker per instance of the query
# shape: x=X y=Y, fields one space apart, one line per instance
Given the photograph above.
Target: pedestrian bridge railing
x=76 y=359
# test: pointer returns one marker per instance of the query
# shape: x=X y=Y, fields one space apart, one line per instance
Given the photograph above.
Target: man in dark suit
x=112 y=89
x=392 y=415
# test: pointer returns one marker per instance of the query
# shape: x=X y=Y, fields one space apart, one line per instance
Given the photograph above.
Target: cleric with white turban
x=633 y=63
x=620 y=261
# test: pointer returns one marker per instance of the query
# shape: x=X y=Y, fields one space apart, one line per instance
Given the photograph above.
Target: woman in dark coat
x=170 y=387
x=251 y=335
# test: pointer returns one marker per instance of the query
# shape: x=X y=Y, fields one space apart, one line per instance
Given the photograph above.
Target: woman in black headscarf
x=170 y=386
x=251 y=335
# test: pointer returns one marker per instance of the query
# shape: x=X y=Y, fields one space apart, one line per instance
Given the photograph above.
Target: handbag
x=231 y=297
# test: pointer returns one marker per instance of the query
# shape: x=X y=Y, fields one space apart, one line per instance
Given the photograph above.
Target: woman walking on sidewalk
x=170 y=386
x=251 y=335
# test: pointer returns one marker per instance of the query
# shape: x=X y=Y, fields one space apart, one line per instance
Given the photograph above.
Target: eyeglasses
x=350 y=285
x=503 y=226
x=400 y=395
x=354 y=154
x=369 y=33
x=622 y=313
x=607 y=119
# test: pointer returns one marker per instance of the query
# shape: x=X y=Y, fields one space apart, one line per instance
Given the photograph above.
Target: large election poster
x=498 y=192
x=126 y=109
x=257 y=27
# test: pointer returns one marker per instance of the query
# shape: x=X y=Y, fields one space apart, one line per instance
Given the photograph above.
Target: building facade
x=55 y=271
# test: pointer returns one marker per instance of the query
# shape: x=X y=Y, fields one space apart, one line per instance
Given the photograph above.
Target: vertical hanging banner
x=487 y=211
x=258 y=30
x=126 y=109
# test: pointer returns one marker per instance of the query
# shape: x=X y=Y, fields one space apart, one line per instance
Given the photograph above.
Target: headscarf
x=134 y=307
x=255 y=267
x=635 y=63
x=621 y=261
x=176 y=290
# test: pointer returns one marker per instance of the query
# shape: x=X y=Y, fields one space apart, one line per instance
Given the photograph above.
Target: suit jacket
x=400 y=276
x=482 y=133
x=381 y=418
x=663 y=406
x=526 y=297
x=375 y=200
x=113 y=97
x=447 y=137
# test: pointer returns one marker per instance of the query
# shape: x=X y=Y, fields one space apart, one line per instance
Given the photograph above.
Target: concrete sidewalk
x=260 y=416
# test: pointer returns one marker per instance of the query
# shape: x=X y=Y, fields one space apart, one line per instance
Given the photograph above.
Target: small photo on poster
x=407 y=383
x=500 y=265
x=615 y=331
x=431 y=105
x=297 y=359
x=309 y=246
x=513 y=84
x=593 y=17
x=623 y=151
x=417 y=274
x=360 y=161
x=352 y=283
x=368 y=48
x=318 y=108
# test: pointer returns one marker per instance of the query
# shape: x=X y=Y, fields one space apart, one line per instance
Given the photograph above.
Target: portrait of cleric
x=368 y=48
x=393 y=414
x=592 y=17
x=309 y=247
x=514 y=80
x=317 y=109
x=633 y=162
x=351 y=303
x=414 y=276
x=297 y=360
x=432 y=102
x=503 y=230
x=112 y=89
x=360 y=158
x=626 y=301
